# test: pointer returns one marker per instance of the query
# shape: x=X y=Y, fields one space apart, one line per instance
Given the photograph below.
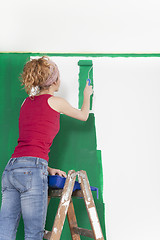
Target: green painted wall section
x=74 y=147
x=88 y=54
x=11 y=98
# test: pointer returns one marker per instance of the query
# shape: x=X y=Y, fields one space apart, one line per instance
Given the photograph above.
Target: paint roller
x=86 y=67
x=86 y=63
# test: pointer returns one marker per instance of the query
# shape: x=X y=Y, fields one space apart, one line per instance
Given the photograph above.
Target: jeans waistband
x=30 y=160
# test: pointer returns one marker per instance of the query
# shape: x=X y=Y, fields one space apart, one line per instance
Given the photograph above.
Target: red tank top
x=38 y=125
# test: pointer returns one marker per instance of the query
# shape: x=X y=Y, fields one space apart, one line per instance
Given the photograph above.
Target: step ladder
x=66 y=207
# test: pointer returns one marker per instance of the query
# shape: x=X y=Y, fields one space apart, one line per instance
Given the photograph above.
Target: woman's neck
x=45 y=92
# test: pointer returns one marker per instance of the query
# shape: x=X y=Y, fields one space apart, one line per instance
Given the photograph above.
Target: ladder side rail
x=72 y=221
x=90 y=205
x=63 y=206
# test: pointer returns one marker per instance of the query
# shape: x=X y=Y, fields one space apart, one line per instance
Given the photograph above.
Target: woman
x=24 y=180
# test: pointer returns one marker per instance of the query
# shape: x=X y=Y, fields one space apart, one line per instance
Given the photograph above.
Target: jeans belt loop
x=37 y=161
x=14 y=159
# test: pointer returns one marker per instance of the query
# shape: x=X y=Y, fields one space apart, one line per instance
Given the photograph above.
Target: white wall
x=80 y=26
x=127 y=111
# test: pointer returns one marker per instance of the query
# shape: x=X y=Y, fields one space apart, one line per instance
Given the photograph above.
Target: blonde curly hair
x=37 y=73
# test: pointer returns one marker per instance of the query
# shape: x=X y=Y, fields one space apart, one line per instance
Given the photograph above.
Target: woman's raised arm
x=62 y=106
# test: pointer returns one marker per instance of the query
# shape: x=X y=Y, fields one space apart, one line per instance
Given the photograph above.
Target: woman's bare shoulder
x=56 y=103
x=55 y=99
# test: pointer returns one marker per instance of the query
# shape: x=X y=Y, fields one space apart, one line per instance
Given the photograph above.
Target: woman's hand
x=53 y=171
x=88 y=91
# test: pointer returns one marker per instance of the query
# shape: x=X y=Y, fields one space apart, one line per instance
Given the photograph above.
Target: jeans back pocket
x=21 y=179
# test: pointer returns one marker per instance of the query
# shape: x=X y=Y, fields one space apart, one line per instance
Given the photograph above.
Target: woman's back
x=38 y=125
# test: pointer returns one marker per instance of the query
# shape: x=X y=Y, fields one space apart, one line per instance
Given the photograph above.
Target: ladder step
x=47 y=234
x=83 y=232
x=58 y=193
x=77 y=230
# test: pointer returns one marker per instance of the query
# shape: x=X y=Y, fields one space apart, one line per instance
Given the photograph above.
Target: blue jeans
x=24 y=191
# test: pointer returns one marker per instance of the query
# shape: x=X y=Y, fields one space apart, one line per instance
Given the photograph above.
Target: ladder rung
x=77 y=230
x=83 y=232
x=58 y=193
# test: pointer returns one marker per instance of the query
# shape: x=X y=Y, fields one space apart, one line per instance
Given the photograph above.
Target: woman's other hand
x=53 y=171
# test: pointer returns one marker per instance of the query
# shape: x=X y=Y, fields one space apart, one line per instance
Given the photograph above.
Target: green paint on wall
x=113 y=55
x=85 y=68
x=74 y=147
x=11 y=97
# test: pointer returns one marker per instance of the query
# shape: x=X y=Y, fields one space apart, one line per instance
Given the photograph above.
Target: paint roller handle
x=88 y=91
x=89 y=82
